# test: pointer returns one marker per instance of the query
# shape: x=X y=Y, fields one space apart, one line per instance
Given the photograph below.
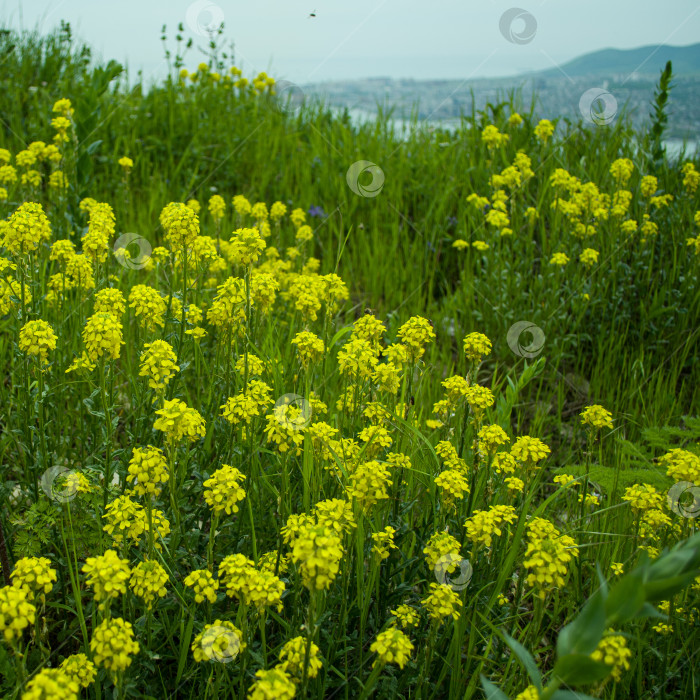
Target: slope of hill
x=642 y=61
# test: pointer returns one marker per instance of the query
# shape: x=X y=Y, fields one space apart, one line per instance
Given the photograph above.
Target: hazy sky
x=369 y=38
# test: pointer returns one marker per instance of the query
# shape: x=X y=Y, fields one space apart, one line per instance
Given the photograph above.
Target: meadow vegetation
x=295 y=406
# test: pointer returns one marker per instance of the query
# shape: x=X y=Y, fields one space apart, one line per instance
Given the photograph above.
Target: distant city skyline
x=317 y=40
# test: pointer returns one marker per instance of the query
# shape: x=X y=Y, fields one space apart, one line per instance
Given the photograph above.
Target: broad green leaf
x=491 y=691
x=626 y=598
x=583 y=634
x=579 y=669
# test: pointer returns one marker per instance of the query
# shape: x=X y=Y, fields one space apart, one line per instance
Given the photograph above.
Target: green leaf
x=491 y=691
x=93 y=147
x=583 y=634
x=184 y=649
x=571 y=695
x=525 y=658
x=579 y=669
x=626 y=598
x=339 y=335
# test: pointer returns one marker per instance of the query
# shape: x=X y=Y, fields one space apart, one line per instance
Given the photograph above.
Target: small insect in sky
x=312 y=14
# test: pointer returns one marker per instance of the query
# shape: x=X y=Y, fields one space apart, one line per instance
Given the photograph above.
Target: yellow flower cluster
x=247 y=404
x=148 y=305
x=596 y=417
x=253 y=586
x=80 y=669
x=643 y=497
x=318 y=551
x=476 y=346
x=38 y=339
x=35 y=575
x=442 y=602
x=102 y=337
x=26 y=229
x=392 y=647
x=272 y=684
x=491 y=437
x=204 y=585
x=223 y=490
x=17 y=612
x=309 y=347
x=111 y=301
x=107 y=574
x=51 y=684
x=622 y=169
x=493 y=138
x=612 y=650
x=246 y=245
x=113 y=645
x=453 y=486
x=148 y=579
x=369 y=484
x=485 y=524
x=415 y=334
x=529 y=450
x=292 y=657
x=124 y=518
x=179 y=422
x=148 y=470
x=181 y=225
x=544 y=130
x=406 y=616
x=158 y=363
x=217 y=207
x=682 y=465
x=221 y=641
x=441 y=545
x=383 y=542
x=547 y=554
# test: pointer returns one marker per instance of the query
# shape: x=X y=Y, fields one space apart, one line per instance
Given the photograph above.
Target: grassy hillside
x=297 y=407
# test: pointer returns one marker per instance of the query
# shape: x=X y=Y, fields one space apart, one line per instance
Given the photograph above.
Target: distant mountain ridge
x=644 y=60
x=629 y=75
